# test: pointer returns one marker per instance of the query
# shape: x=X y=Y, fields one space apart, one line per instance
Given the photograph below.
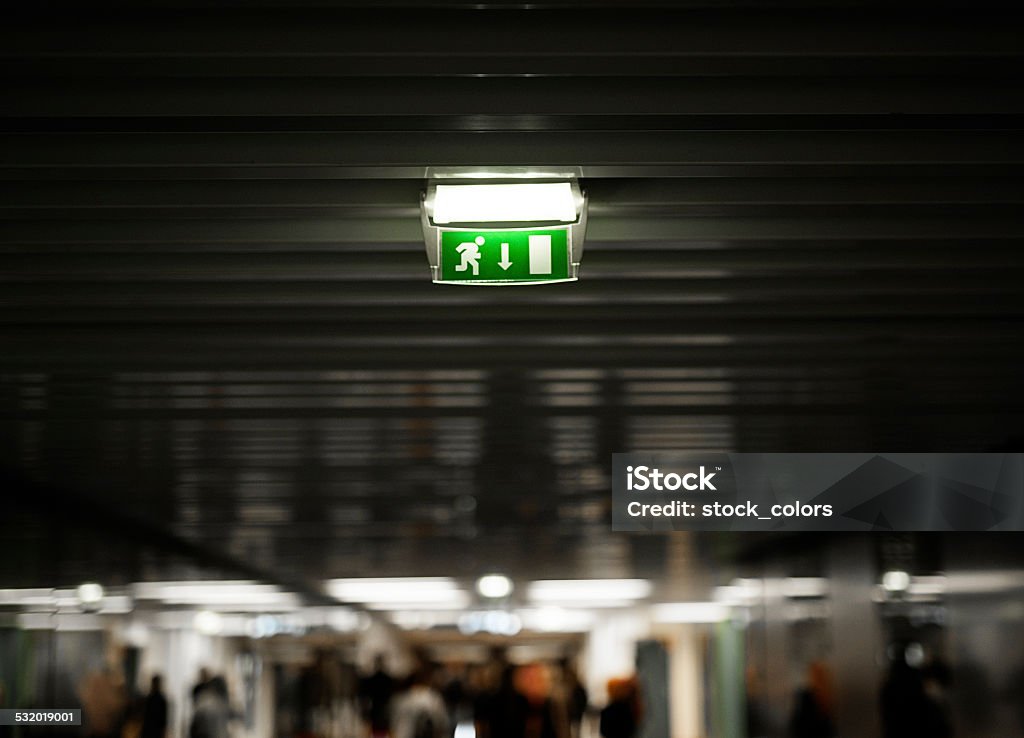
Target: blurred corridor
x=726 y=636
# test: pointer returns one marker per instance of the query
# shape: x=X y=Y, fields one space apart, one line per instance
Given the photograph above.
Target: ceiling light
x=456 y=601
x=986 y=582
x=557 y=620
x=740 y=592
x=35 y=597
x=895 y=581
x=495 y=622
x=236 y=595
x=90 y=593
x=914 y=655
x=934 y=586
x=799 y=587
x=505 y=203
x=494 y=586
x=690 y=612
x=67 y=622
x=207 y=622
x=592 y=592
x=399 y=592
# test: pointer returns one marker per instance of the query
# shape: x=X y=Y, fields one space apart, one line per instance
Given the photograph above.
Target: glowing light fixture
x=503 y=227
x=690 y=612
x=496 y=622
x=400 y=592
x=494 y=586
x=895 y=581
x=592 y=592
x=505 y=203
x=740 y=592
x=232 y=595
x=804 y=587
x=90 y=593
x=933 y=586
x=208 y=622
x=553 y=619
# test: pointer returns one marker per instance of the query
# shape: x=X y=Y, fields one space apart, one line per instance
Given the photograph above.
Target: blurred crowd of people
x=211 y=707
x=110 y=711
x=328 y=698
x=494 y=699
x=497 y=698
x=914 y=701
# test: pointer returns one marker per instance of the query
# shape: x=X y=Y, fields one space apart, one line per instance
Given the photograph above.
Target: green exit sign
x=505 y=257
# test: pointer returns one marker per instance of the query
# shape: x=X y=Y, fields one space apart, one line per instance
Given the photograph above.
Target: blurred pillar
x=652 y=666
x=768 y=653
x=856 y=635
x=728 y=662
x=611 y=650
x=986 y=618
x=686 y=682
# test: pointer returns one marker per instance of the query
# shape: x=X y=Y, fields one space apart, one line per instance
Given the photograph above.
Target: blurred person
x=621 y=716
x=420 y=711
x=481 y=682
x=131 y=726
x=813 y=714
x=573 y=696
x=104 y=701
x=154 y=710
x=907 y=707
x=937 y=680
x=544 y=717
x=1015 y=695
x=455 y=693
x=6 y=731
x=321 y=693
x=376 y=692
x=212 y=711
x=202 y=683
x=756 y=720
x=501 y=711
x=901 y=699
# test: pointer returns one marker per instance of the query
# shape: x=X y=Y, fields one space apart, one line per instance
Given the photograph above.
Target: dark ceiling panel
x=216 y=323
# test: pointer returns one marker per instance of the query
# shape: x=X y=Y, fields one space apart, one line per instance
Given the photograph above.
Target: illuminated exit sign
x=505 y=226
x=528 y=256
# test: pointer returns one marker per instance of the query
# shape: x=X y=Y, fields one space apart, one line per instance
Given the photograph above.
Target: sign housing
x=538 y=239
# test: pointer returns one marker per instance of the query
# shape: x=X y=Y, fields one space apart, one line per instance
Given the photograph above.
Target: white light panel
x=505 y=203
x=234 y=595
x=690 y=612
x=399 y=593
x=592 y=592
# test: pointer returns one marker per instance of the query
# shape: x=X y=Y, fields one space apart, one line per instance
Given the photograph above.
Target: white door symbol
x=540 y=254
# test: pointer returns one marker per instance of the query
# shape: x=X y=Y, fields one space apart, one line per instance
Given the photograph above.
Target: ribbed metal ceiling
x=217 y=324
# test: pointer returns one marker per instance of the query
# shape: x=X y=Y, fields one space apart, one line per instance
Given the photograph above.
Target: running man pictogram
x=469 y=251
